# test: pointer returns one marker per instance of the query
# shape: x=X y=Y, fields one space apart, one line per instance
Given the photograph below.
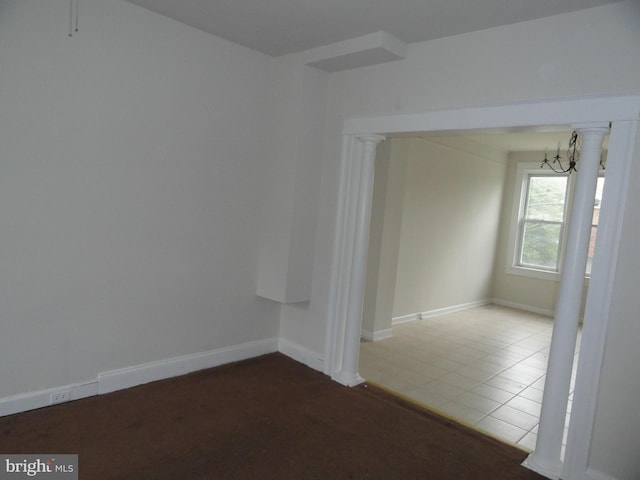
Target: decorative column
x=348 y=374
x=547 y=457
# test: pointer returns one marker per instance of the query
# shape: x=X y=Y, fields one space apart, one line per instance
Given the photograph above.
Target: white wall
x=450 y=220
x=434 y=227
x=131 y=159
x=289 y=204
x=443 y=263
x=577 y=54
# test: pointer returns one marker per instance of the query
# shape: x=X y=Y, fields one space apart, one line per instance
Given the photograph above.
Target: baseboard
x=550 y=471
x=173 y=367
x=522 y=306
x=377 y=335
x=301 y=354
x=42 y=398
x=555 y=473
x=405 y=318
x=439 y=311
x=139 y=374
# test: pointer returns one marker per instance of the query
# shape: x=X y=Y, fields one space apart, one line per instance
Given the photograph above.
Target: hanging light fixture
x=573 y=155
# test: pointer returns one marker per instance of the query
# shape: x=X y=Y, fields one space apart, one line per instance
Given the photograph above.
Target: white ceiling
x=527 y=140
x=279 y=27
x=521 y=141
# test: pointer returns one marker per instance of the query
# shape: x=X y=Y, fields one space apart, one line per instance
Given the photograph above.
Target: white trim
x=172 y=367
x=560 y=112
x=565 y=112
x=512 y=267
x=139 y=374
x=521 y=306
x=301 y=354
x=354 y=238
x=412 y=317
x=455 y=308
x=552 y=473
x=377 y=335
x=622 y=141
x=532 y=273
x=523 y=172
x=340 y=268
x=42 y=398
x=440 y=311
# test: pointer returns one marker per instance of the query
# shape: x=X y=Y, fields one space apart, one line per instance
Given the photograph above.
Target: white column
x=546 y=458
x=348 y=374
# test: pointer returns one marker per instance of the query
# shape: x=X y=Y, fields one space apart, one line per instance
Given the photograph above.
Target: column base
x=552 y=471
x=348 y=379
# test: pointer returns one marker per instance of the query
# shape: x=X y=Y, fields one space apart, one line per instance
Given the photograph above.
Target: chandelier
x=568 y=165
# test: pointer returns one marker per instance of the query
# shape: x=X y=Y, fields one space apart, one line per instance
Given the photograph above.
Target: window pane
x=540 y=244
x=545 y=198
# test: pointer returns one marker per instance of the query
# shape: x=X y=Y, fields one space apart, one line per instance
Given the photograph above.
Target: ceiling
x=520 y=141
x=279 y=27
x=526 y=140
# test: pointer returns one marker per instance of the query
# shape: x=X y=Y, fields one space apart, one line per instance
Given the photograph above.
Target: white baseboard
x=405 y=319
x=456 y=308
x=42 y=398
x=589 y=474
x=522 y=306
x=172 y=367
x=139 y=374
x=377 y=335
x=301 y=354
x=551 y=472
x=439 y=311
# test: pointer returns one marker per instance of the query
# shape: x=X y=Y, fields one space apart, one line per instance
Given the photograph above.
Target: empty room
x=189 y=184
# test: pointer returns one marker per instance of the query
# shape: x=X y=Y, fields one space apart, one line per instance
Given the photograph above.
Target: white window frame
x=524 y=169
x=513 y=267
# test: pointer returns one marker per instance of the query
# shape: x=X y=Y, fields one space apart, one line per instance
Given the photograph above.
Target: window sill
x=533 y=273
x=539 y=274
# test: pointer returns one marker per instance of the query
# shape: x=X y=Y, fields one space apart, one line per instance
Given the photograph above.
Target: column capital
x=583 y=128
x=370 y=138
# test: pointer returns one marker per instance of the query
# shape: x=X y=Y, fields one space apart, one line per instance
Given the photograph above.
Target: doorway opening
x=444 y=322
x=349 y=265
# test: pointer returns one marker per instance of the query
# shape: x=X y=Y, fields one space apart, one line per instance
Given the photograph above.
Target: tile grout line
x=459 y=346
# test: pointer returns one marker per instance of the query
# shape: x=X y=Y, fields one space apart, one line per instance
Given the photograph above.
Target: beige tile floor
x=485 y=366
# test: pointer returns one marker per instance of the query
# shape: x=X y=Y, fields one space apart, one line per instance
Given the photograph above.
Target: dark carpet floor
x=264 y=418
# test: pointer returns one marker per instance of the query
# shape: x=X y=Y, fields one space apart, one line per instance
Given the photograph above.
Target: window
x=542 y=222
x=541 y=211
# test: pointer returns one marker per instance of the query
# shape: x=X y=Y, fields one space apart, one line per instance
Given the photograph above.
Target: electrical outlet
x=59 y=397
